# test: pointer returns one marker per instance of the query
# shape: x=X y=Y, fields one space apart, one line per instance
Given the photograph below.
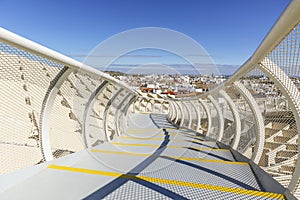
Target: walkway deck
x=152 y=160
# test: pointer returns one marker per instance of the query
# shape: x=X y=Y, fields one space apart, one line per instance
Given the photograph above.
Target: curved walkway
x=151 y=160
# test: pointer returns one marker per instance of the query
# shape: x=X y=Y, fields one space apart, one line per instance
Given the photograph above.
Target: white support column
x=259 y=121
x=148 y=101
x=140 y=103
x=46 y=111
x=133 y=106
x=165 y=104
x=207 y=111
x=182 y=114
x=198 y=116
x=174 y=114
x=177 y=112
x=125 y=110
x=151 y=105
x=236 y=117
x=220 y=115
x=88 y=110
x=292 y=94
x=117 y=116
x=154 y=106
x=105 y=113
x=189 y=114
x=161 y=106
x=170 y=111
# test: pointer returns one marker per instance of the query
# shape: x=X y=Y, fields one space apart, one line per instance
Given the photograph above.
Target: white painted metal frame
x=291 y=93
x=207 y=111
x=88 y=110
x=161 y=110
x=175 y=111
x=46 y=110
x=197 y=110
x=220 y=115
x=125 y=111
x=170 y=111
x=178 y=111
x=236 y=117
x=119 y=115
x=181 y=113
x=105 y=113
x=37 y=49
x=283 y=26
x=189 y=114
x=140 y=104
x=259 y=121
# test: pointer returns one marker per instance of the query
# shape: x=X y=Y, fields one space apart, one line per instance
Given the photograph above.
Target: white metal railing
x=61 y=91
x=273 y=140
x=79 y=106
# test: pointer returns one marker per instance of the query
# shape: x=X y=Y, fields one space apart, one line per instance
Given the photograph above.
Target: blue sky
x=229 y=30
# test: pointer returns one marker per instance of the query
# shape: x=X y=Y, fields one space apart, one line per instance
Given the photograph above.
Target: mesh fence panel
x=215 y=127
x=229 y=126
x=204 y=121
x=281 y=139
x=24 y=80
x=194 y=116
x=248 y=126
x=285 y=56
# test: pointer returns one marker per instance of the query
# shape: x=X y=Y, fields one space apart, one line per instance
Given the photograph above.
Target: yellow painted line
x=139 y=138
x=172 y=128
x=146 y=112
x=174 y=157
x=144 y=130
x=134 y=145
x=155 y=145
x=153 y=138
x=170 y=182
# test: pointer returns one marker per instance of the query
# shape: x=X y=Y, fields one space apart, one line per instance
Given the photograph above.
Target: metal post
x=292 y=94
x=46 y=111
x=207 y=111
x=259 y=121
x=182 y=114
x=88 y=109
x=189 y=114
x=221 y=118
x=117 y=125
x=105 y=113
x=236 y=117
x=198 y=116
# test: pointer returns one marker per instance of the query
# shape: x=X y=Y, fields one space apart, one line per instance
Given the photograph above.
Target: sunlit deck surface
x=152 y=160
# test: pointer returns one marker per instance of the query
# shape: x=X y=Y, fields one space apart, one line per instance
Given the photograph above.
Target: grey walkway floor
x=152 y=160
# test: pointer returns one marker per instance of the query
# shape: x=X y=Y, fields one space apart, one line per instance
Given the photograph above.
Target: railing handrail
x=37 y=49
x=285 y=23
